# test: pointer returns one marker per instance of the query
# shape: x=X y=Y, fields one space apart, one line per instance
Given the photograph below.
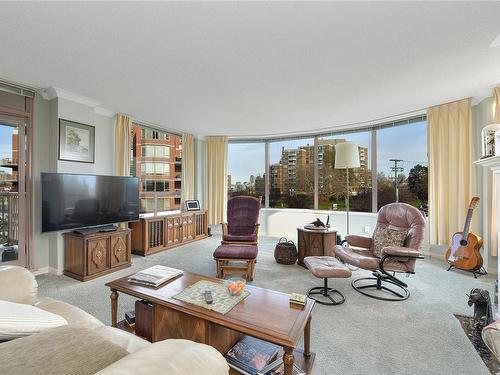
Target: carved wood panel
x=98 y=256
x=119 y=250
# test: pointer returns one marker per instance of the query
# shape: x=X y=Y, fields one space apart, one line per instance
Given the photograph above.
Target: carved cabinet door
x=177 y=230
x=187 y=227
x=119 y=250
x=98 y=256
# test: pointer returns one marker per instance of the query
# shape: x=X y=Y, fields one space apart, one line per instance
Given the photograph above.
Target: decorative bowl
x=235 y=285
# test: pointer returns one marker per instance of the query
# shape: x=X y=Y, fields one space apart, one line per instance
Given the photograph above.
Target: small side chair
x=242 y=225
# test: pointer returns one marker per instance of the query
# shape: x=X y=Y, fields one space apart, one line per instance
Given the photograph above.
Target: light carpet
x=362 y=336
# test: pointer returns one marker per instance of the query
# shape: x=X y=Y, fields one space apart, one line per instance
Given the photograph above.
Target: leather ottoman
x=233 y=259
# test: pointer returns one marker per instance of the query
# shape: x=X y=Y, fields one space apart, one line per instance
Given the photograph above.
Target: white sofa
x=19 y=285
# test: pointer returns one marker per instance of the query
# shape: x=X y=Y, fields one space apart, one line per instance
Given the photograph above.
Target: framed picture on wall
x=76 y=141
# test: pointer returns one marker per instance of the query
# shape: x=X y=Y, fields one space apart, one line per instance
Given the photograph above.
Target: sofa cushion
x=59 y=351
x=383 y=237
x=128 y=341
x=72 y=314
x=233 y=251
x=18 y=320
x=171 y=357
x=17 y=284
x=240 y=238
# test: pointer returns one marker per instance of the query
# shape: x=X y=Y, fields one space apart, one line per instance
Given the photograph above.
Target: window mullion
x=266 y=179
x=316 y=174
x=373 y=139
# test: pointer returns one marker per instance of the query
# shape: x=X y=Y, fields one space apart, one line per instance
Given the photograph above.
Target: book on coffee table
x=278 y=368
x=250 y=355
x=154 y=276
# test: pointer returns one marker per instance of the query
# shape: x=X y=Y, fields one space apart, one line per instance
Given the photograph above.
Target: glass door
x=12 y=190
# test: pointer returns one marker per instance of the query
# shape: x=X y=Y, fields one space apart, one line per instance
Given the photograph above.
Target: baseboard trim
x=46 y=270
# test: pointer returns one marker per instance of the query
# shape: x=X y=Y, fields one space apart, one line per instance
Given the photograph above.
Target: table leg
x=307 y=338
x=288 y=360
x=114 y=307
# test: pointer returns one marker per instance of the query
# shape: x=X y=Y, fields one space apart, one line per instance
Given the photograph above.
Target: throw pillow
x=383 y=237
x=66 y=350
x=18 y=320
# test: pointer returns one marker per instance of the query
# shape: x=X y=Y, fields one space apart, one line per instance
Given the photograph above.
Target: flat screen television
x=72 y=201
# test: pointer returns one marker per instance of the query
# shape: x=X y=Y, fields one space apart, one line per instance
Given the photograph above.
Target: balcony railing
x=9 y=217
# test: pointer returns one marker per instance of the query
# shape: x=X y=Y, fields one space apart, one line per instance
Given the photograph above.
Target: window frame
x=418 y=118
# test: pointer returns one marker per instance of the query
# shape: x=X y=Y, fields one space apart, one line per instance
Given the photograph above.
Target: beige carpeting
x=362 y=336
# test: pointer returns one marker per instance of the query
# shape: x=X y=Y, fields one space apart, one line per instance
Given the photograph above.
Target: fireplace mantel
x=492 y=162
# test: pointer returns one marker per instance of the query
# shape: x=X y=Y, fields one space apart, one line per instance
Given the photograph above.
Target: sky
x=406 y=142
x=5 y=144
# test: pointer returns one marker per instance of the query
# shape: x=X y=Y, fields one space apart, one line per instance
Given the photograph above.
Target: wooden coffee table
x=265 y=314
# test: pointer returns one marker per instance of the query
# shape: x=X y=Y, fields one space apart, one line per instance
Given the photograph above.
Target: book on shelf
x=154 y=276
x=130 y=318
x=250 y=355
x=278 y=368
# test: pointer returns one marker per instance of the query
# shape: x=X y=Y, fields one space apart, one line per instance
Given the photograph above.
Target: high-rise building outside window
x=393 y=168
x=246 y=170
x=291 y=173
x=332 y=182
x=157 y=162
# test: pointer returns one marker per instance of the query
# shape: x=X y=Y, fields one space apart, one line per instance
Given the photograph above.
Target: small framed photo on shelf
x=278 y=368
x=76 y=141
x=192 y=205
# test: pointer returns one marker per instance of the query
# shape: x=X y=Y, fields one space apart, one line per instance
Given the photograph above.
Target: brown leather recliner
x=358 y=251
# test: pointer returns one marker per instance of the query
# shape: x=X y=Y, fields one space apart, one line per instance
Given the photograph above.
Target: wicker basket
x=285 y=251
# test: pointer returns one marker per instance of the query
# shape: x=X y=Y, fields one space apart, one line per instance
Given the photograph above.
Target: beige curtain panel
x=123 y=138
x=452 y=178
x=494 y=183
x=123 y=142
x=216 y=178
x=188 y=167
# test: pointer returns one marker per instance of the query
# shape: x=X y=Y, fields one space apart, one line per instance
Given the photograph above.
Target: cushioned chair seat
x=240 y=238
x=364 y=259
x=232 y=251
x=326 y=267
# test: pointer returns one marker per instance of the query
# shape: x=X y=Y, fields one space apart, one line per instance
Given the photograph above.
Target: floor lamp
x=347 y=156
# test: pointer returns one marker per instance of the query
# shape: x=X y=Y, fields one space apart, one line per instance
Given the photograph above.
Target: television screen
x=74 y=200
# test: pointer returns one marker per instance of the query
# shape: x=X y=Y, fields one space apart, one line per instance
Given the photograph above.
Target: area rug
x=223 y=301
x=469 y=326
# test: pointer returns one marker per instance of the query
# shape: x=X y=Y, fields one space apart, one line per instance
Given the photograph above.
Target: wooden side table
x=315 y=242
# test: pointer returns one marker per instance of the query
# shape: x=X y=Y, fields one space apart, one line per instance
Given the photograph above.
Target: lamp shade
x=346 y=155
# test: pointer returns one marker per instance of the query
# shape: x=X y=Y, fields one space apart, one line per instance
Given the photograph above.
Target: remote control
x=208 y=297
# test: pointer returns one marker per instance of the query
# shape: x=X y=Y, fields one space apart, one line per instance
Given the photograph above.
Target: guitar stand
x=476 y=273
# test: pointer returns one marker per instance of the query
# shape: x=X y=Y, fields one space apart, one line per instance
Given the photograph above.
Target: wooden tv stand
x=87 y=256
x=162 y=232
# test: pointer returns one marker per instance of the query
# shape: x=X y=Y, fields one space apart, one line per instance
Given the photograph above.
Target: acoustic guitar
x=464 y=250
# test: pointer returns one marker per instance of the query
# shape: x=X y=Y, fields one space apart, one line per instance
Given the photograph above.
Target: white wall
x=482 y=115
x=284 y=222
x=48 y=250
